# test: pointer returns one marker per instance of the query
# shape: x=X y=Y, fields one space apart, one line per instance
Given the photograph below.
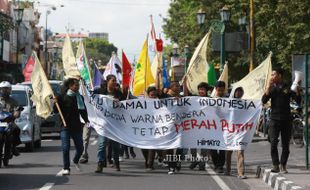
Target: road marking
x=47 y=186
x=216 y=178
x=94 y=142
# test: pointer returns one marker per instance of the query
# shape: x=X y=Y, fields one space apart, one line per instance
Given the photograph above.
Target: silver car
x=52 y=124
x=30 y=132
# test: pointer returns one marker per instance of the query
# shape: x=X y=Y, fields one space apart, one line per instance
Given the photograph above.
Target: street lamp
x=201 y=17
x=18 y=14
x=48 y=12
x=217 y=26
x=242 y=22
x=225 y=17
x=225 y=14
x=175 y=49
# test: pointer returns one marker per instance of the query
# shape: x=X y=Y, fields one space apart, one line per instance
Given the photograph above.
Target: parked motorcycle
x=297 y=124
x=6 y=120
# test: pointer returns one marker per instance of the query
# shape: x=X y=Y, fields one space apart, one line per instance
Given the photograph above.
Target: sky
x=126 y=21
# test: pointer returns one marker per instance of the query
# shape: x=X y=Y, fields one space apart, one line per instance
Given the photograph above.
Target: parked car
x=52 y=124
x=30 y=132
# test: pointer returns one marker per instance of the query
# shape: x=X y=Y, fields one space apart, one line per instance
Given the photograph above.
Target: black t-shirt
x=280 y=96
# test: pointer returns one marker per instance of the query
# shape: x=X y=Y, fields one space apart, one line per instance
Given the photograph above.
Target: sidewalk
x=257 y=158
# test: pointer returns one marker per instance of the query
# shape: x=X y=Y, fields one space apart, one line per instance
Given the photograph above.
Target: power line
x=119 y=3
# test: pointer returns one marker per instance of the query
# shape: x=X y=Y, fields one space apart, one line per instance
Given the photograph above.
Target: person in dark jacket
x=110 y=90
x=203 y=89
x=72 y=107
x=280 y=118
x=218 y=156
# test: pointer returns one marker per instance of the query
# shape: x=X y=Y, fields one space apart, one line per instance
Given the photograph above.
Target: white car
x=52 y=124
x=30 y=132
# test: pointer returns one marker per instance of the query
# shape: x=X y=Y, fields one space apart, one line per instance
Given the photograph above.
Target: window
x=20 y=97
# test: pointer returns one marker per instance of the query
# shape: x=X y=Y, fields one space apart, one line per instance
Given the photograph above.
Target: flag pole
x=145 y=70
x=88 y=69
x=54 y=97
x=157 y=78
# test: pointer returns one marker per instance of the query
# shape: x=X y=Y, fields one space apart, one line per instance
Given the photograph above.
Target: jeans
x=275 y=128
x=65 y=143
x=101 y=151
x=86 y=137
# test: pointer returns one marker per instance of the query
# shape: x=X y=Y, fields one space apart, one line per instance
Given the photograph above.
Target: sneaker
x=178 y=167
x=275 y=169
x=77 y=167
x=171 y=171
x=283 y=169
x=15 y=152
x=126 y=156
x=117 y=168
x=120 y=158
x=99 y=167
x=83 y=160
x=193 y=165
x=65 y=172
x=219 y=170
x=133 y=155
x=227 y=173
x=202 y=166
x=242 y=177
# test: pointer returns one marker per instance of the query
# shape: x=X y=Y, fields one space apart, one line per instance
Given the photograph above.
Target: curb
x=276 y=180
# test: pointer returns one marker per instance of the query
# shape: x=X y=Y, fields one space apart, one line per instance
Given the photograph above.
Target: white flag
x=114 y=67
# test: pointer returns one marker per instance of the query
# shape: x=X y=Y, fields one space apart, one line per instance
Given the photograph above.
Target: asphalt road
x=38 y=170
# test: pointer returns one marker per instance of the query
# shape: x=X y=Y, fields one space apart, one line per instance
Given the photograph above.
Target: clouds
x=126 y=21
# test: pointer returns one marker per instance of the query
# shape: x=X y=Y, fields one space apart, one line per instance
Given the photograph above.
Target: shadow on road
x=28 y=181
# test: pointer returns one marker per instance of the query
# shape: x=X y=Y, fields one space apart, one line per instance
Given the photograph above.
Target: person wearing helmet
x=8 y=104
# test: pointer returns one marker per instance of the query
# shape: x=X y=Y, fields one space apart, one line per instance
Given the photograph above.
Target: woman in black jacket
x=72 y=106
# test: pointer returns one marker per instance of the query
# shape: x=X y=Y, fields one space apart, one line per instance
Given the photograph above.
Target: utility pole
x=251 y=35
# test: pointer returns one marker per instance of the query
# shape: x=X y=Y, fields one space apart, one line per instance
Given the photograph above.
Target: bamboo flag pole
x=157 y=79
x=54 y=97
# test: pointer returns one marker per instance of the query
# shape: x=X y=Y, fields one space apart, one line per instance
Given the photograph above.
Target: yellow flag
x=157 y=64
x=143 y=75
x=255 y=83
x=224 y=78
x=198 y=66
x=41 y=89
x=68 y=59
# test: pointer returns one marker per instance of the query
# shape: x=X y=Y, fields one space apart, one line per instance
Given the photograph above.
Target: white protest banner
x=188 y=122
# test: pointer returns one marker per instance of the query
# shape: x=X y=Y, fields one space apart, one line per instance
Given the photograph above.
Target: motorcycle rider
x=8 y=104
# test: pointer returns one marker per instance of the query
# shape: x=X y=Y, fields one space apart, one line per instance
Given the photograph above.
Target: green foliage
x=99 y=49
x=281 y=26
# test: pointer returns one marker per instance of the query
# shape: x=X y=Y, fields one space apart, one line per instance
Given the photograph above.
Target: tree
x=99 y=49
x=281 y=27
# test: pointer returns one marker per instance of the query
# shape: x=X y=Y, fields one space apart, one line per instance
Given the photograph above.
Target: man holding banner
x=218 y=156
